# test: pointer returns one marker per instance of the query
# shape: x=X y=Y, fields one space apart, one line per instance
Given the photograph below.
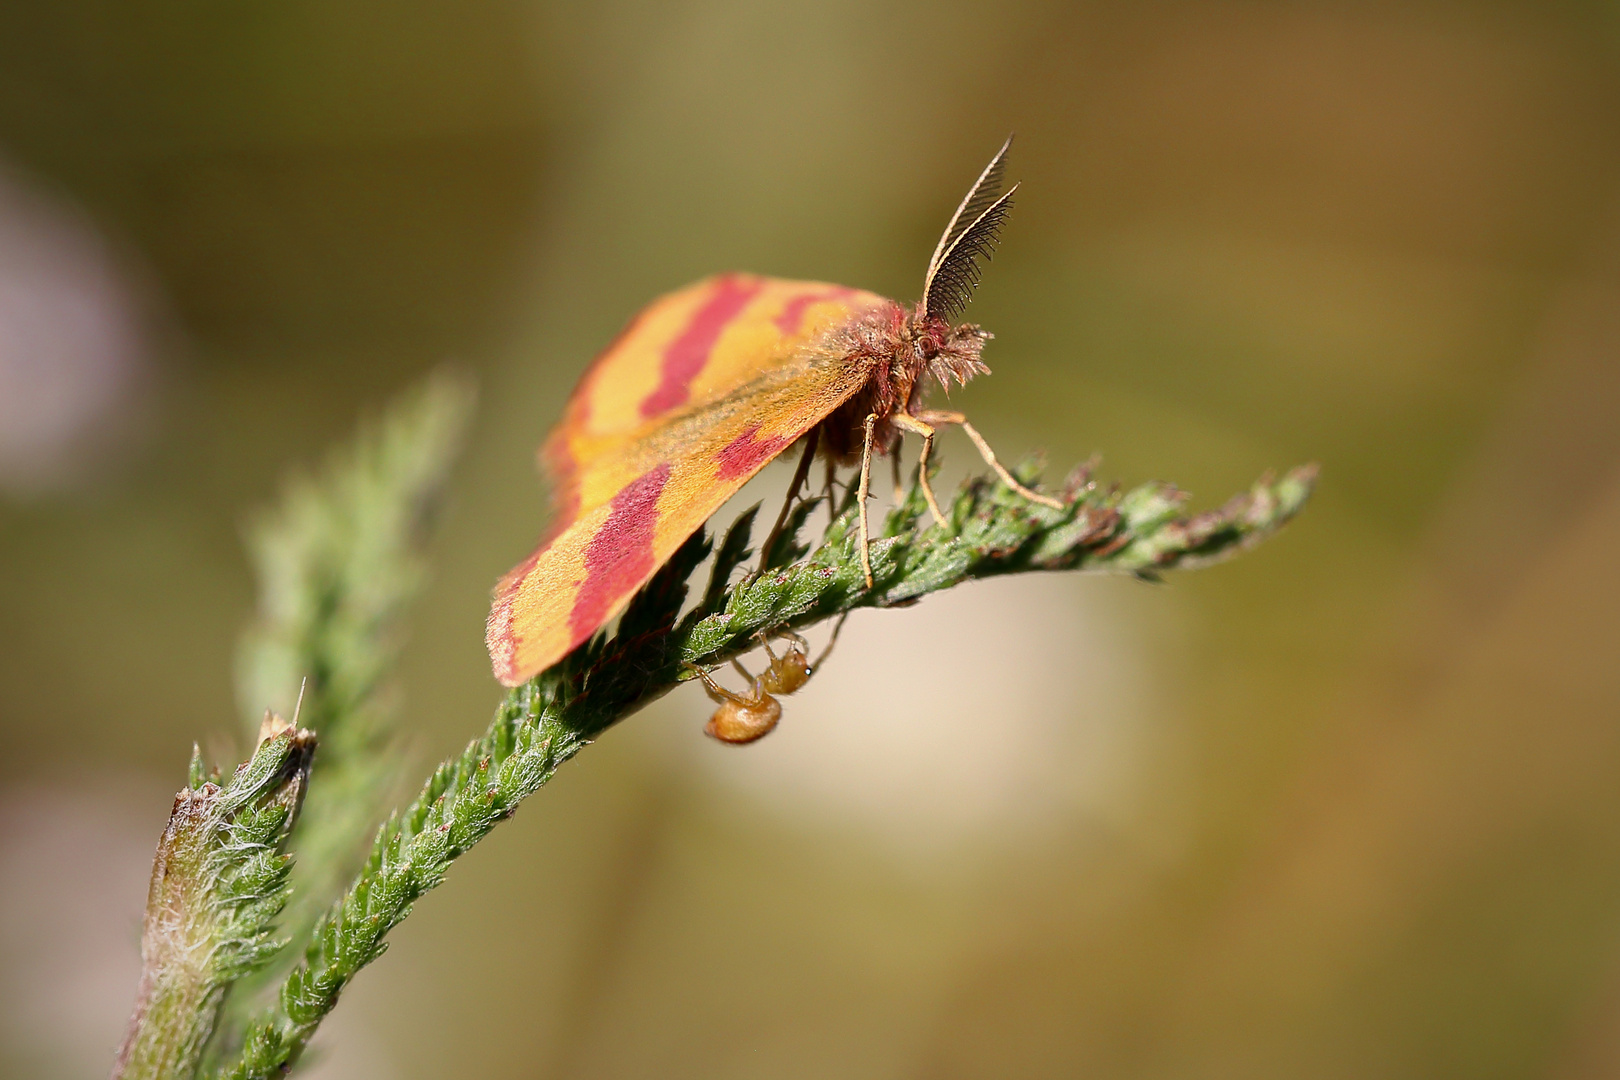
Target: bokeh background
x=1347 y=807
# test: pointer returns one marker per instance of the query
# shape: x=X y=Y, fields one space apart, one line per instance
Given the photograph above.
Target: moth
x=709 y=384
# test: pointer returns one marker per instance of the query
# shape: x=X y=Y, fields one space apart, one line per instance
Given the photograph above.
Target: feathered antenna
x=953 y=272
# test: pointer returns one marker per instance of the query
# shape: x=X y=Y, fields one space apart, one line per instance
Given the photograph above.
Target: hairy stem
x=990 y=530
x=339 y=560
x=218 y=881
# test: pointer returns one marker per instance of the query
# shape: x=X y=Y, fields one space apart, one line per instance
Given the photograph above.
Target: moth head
x=930 y=345
x=958 y=355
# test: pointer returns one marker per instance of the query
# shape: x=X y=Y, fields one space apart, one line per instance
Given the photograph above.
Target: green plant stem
x=540 y=725
x=218 y=882
x=339 y=560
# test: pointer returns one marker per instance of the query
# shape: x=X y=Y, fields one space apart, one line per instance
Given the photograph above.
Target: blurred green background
x=1347 y=807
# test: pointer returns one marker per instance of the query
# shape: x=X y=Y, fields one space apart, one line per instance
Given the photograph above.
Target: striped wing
x=700 y=391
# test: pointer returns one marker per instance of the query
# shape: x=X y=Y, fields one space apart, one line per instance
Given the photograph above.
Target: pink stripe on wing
x=747 y=453
x=685 y=356
x=620 y=555
x=792 y=316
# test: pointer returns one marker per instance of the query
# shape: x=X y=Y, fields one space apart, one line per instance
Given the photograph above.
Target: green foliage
x=248 y=874
x=219 y=880
x=338 y=562
x=548 y=720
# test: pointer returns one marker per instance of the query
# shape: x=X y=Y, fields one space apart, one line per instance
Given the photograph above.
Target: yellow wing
x=701 y=390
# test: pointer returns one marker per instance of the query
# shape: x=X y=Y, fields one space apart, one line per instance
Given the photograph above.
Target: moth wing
x=633 y=485
x=688 y=348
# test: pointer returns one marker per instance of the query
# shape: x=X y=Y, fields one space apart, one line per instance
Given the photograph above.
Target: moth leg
x=800 y=474
x=861 y=496
x=911 y=423
x=989 y=456
x=899 y=491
